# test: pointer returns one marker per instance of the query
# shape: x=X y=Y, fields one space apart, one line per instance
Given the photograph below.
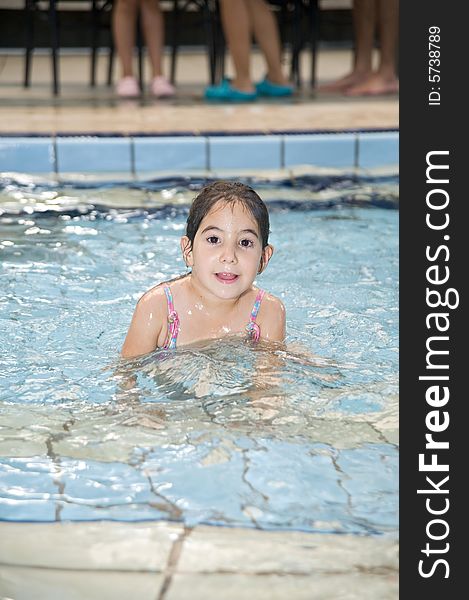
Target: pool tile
x=170 y=153
x=94 y=154
x=245 y=152
x=320 y=150
x=27 y=155
x=378 y=149
x=56 y=584
x=95 y=545
x=231 y=550
x=278 y=586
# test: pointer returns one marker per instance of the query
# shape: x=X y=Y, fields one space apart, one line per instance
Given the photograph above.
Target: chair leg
x=54 y=33
x=314 y=16
x=211 y=44
x=94 y=41
x=29 y=45
x=140 y=53
x=110 y=64
x=220 y=46
x=174 y=41
x=297 y=43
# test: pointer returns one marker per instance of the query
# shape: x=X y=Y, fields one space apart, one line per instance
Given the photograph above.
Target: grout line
x=133 y=170
x=356 y=158
x=54 y=154
x=173 y=560
x=207 y=154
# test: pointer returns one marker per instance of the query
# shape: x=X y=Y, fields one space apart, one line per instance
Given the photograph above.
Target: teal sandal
x=224 y=92
x=273 y=90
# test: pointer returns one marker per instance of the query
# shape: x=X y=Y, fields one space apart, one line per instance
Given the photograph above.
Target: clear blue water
x=297 y=438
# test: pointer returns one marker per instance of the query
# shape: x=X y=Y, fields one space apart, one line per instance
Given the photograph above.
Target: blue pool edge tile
x=124 y=154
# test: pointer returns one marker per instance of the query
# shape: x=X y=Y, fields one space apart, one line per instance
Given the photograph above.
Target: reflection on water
x=299 y=436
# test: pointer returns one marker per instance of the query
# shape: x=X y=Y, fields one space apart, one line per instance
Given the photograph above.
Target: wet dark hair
x=230 y=193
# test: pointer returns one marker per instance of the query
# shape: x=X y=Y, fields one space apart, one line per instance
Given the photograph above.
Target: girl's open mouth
x=226 y=277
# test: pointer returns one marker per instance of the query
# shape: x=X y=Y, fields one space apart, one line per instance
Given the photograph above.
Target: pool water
x=302 y=437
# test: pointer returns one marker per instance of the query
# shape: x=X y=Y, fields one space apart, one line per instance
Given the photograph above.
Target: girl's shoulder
x=156 y=296
x=272 y=318
x=271 y=302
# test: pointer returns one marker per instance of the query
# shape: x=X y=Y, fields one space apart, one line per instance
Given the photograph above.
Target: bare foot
x=375 y=85
x=339 y=86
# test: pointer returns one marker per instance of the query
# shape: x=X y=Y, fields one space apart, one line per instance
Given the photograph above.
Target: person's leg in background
x=267 y=36
x=240 y=19
x=384 y=80
x=124 y=21
x=237 y=27
x=124 y=29
x=153 y=33
x=364 y=20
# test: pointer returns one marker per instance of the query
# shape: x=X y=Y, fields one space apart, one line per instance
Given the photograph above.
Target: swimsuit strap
x=252 y=327
x=173 y=321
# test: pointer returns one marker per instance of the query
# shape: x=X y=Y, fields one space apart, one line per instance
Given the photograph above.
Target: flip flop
x=224 y=92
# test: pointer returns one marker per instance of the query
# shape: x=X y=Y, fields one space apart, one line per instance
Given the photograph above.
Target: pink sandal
x=161 y=88
x=128 y=87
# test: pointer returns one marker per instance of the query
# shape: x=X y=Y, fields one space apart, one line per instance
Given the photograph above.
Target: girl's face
x=227 y=250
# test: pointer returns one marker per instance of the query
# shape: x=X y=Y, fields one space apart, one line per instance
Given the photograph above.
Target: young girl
x=226 y=246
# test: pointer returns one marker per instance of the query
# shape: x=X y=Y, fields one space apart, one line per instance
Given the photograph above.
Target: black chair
x=101 y=21
x=305 y=32
x=34 y=9
x=211 y=25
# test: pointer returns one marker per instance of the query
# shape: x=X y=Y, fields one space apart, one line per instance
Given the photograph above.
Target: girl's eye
x=246 y=243
x=212 y=239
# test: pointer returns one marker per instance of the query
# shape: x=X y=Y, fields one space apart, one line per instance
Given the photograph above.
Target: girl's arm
x=272 y=319
x=147 y=322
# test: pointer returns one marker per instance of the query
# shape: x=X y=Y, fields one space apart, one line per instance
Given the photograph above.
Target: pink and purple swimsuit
x=252 y=327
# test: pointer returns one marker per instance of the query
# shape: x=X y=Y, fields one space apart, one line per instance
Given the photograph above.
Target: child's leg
x=268 y=38
x=153 y=31
x=237 y=28
x=124 y=23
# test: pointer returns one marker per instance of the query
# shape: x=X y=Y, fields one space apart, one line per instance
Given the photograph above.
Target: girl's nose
x=228 y=254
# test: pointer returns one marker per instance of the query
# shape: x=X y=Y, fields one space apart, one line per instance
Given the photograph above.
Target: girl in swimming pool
x=226 y=247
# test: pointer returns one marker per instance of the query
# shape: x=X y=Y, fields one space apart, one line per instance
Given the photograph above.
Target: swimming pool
x=296 y=439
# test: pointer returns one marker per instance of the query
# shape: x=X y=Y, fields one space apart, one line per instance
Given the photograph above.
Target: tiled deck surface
x=81 y=109
x=167 y=561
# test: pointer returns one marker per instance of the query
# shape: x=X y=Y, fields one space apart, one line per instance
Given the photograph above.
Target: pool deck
x=81 y=109
x=160 y=560
x=167 y=561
